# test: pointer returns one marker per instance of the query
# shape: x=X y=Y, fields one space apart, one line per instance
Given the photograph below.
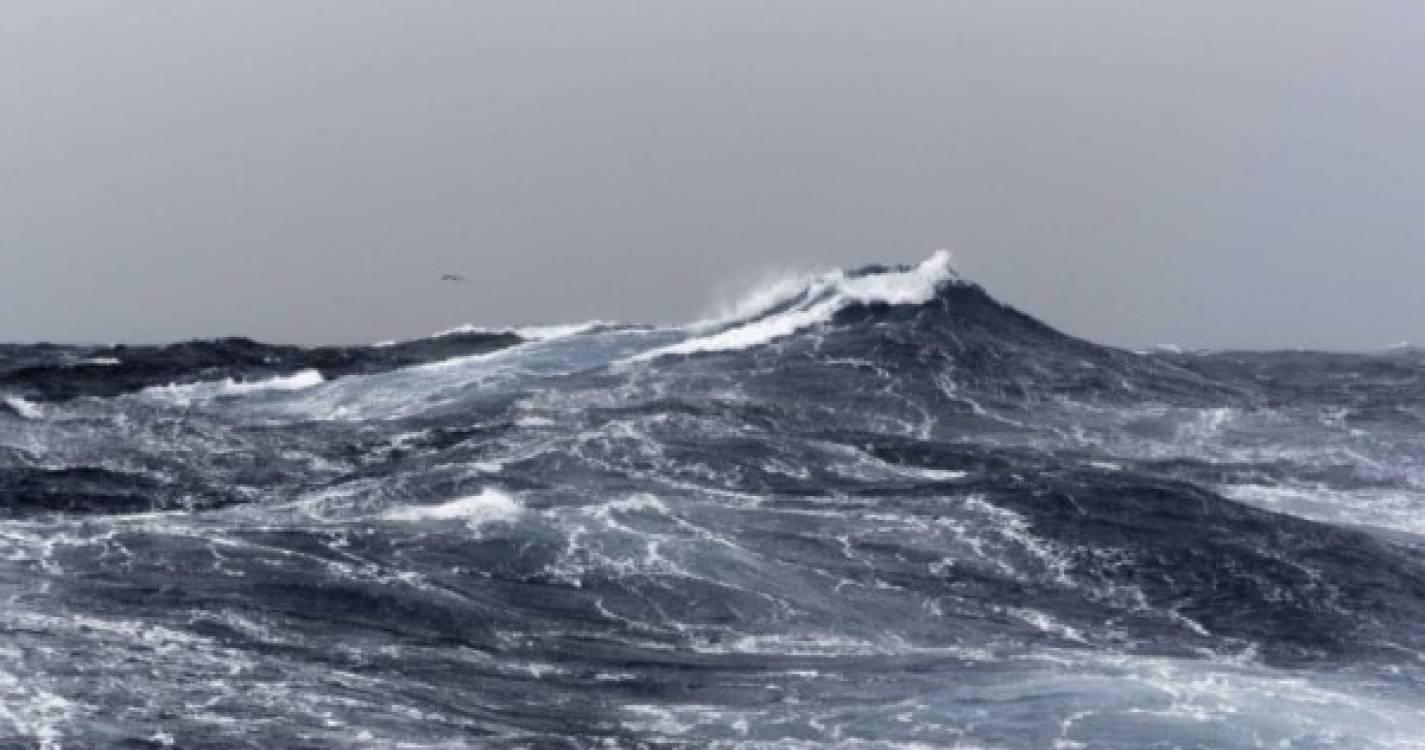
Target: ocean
x=874 y=508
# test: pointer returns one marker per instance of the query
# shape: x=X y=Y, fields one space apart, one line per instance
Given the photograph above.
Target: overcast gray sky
x=1205 y=173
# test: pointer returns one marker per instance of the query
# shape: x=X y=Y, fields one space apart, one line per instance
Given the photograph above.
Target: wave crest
x=782 y=309
x=489 y=506
x=188 y=393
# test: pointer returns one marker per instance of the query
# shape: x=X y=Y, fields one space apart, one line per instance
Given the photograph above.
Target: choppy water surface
x=878 y=509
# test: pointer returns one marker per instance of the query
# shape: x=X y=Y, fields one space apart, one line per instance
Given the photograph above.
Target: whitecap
x=528 y=333
x=546 y=333
x=188 y=393
x=937 y=475
x=490 y=506
x=25 y=409
x=780 y=311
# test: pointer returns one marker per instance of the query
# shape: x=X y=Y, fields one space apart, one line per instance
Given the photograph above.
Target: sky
x=1207 y=174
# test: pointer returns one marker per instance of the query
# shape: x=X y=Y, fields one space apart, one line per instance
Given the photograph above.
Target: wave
x=866 y=508
x=51 y=373
x=22 y=408
x=189 y=393
x=527 y=333
x=785 y=308
x=489 y=506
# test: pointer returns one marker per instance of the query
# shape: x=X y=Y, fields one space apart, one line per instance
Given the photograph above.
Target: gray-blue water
x=880 y=509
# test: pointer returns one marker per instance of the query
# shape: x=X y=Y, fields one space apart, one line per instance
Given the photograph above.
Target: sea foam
x=782 y=308
x=188 y=393
x=25 y=409
x=528 y=333
x=489 y=506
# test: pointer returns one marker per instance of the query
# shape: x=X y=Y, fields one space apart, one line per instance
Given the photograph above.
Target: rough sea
x=869 y=509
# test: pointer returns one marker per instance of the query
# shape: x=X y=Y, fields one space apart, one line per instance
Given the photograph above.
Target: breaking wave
x=191 y=392
x=22 y=408
x=783 y=309
x=876 y=508
x=487 y=507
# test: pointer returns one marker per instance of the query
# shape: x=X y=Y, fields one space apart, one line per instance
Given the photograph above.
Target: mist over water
x=869 y=508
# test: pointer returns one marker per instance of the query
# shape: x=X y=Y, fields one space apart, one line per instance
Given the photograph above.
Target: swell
x=61 y=373
x=877 y=507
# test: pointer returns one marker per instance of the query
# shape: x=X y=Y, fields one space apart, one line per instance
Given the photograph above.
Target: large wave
x=783 y=309
x=874 y=508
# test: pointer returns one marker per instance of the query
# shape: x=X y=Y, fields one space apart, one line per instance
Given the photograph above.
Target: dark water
x=878 y=510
